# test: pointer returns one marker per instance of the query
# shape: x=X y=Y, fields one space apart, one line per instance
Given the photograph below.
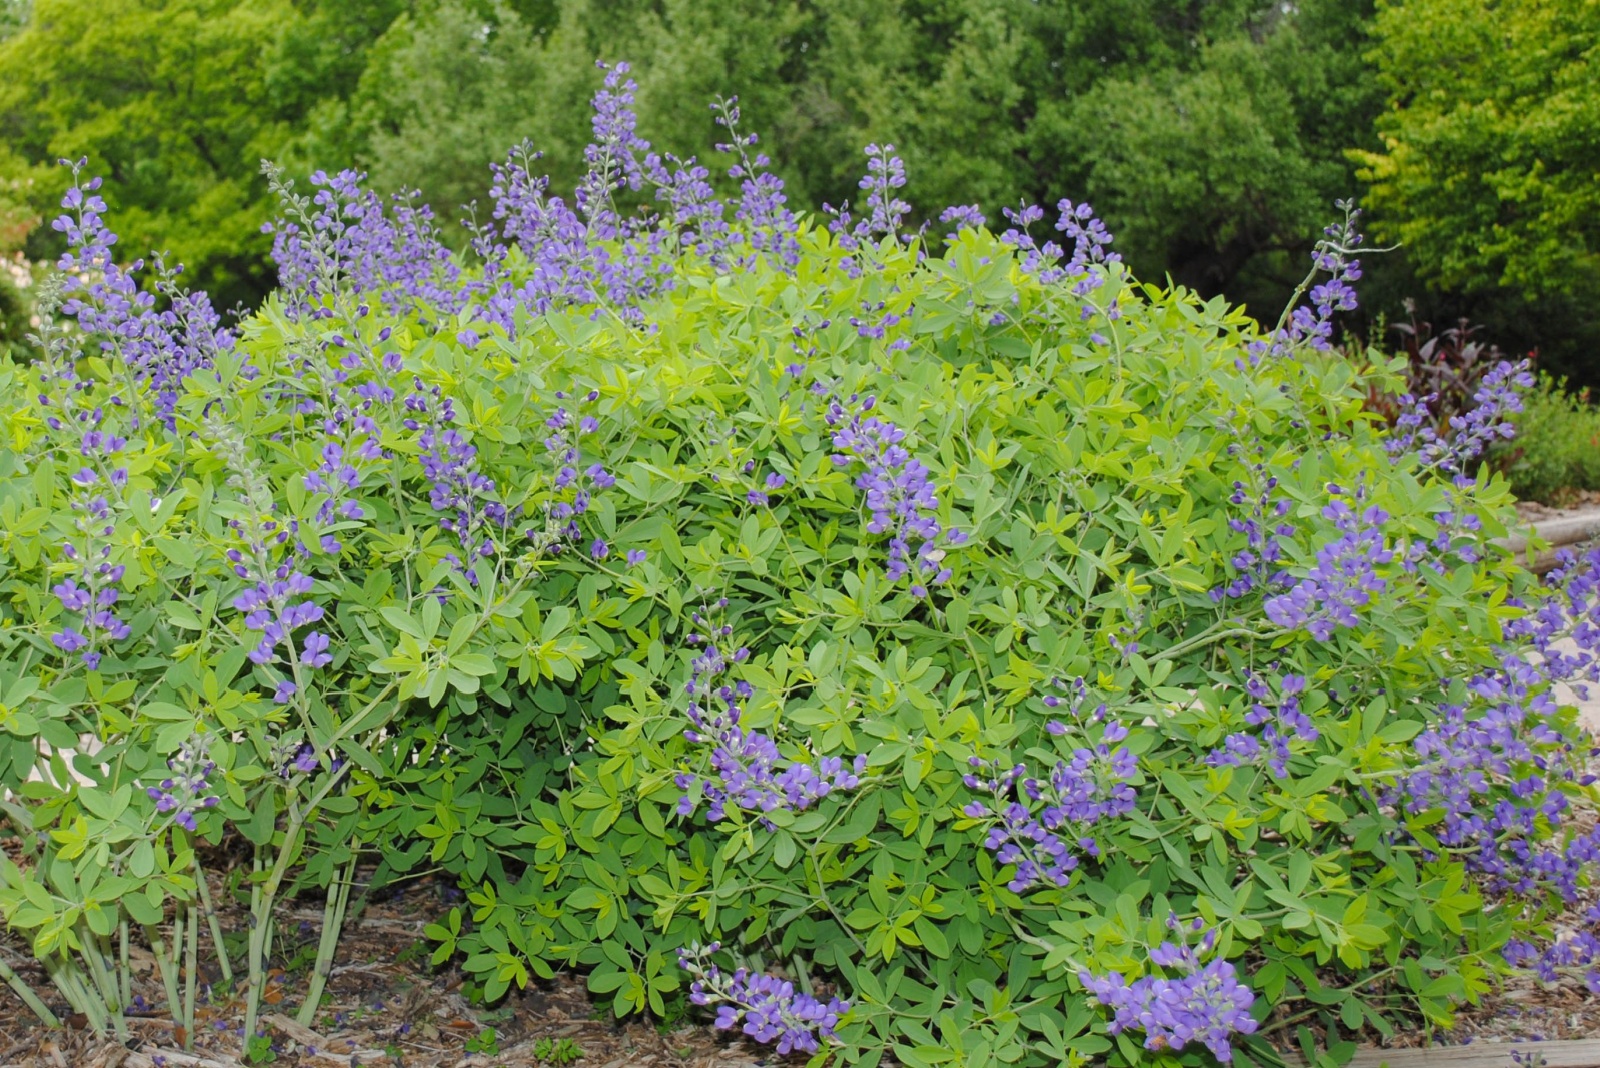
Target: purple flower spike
x=765 y=1007
x=743 y=769
x=1204 y=1003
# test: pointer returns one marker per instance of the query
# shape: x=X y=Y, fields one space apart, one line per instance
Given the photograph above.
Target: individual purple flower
x=636 y=557
x=315 y=653
x=304 y=760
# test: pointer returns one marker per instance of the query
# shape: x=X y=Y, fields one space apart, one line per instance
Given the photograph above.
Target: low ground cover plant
x=1557 y=447
x=937 y=645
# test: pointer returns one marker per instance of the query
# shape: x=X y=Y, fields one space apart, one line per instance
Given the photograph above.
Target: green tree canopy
x=169 y=99
x=1490 y=165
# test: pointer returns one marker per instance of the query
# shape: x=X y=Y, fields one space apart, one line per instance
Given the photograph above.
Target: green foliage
x=445 y=91
x=523 y=728
x=168 y=98
x=15 y=313
x=1215 y=166
x=1557 y=447
x=1486 y=168
x=485 y=1042
x=1490 y=144
x=556 y=1051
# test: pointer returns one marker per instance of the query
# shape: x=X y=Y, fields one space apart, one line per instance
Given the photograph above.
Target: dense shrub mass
x=1557 y=448
x=978 y=657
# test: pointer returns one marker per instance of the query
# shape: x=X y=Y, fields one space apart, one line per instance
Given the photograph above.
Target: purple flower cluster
x=1045 y=826
x=1496 y=400
x=745 y=768
x=1496 y=771
x=184 y=792
x=350 y=446
x=886 y=212
x=341 y=242
x=899 y=493
x=587 y=253
x=765 y=1007
x=1202 y=1003
x=769 y=226
x=1575 y=953
x=1313 y=324
x=1259 y=564
x=1067 y=703
x=574 y=484
x=157 y=349
x=552 y=240
x=473 y=512
x=93 y=590
x=1499 y=772
x=1345 y=577
x=1456 y=540
x=1276 y=710
x=964 y=217
x=273 y=609
x=1091 y=245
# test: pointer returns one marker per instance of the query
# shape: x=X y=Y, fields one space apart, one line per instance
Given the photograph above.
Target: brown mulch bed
x=385 y=1006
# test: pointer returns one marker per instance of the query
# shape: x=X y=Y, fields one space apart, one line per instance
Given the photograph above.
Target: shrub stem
x=29 y=996
x=332 y=925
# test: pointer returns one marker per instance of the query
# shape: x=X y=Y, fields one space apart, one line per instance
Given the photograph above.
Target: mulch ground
x=385 y=1006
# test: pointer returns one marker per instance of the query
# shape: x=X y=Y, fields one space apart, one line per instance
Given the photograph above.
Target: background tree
x=169 y=99
x=1489 y=168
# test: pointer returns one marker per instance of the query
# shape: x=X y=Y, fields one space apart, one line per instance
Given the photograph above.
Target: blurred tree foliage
x=1489 y=167
x=1212 y=135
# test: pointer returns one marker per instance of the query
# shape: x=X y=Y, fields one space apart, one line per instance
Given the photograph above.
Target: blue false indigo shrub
x=955 y=649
